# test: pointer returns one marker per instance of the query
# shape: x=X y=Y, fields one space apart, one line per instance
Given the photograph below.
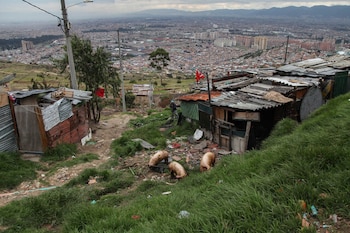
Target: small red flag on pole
x=199 y=76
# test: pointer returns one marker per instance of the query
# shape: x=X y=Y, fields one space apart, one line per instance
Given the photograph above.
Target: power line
x=59 y=18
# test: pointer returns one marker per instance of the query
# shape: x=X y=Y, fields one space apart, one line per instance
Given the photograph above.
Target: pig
x=177 y=170
x=207 y=161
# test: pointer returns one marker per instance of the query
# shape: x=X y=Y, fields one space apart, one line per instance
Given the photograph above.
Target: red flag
x=199 y=76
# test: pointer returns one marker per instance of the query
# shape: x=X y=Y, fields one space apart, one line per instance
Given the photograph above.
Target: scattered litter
x=166 y=193
x=317 y=224
x=136 y=217
x=334 y=218
x=176 y=145
x=149 y=196
x=92 y=181
x=143 y=143
x=220 y=181
x=176 y=158
x=201 y=146
x=132 y=171
x=198 y=134
x=181 y=138
x=90 y=143
x=313 y=210
x=305 y=216
x=183 y=214
x=303 y=205
x=93 y=202
x=305 y=223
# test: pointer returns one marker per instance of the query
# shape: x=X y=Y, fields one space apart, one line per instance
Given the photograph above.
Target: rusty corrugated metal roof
x=317 y=67
x=254 y=97
x=293 y=81
x=234 y=83
x=203 y=96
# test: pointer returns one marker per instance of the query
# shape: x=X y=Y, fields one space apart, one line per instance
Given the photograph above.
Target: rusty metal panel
x=8 y=140
x=4 y=99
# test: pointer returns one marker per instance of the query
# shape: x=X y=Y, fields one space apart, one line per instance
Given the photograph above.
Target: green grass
x=25 y=73
x=14 y=170
x=255 y=192
x=60 y=153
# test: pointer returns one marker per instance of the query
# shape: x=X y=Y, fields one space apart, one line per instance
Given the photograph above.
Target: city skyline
x=21 y=11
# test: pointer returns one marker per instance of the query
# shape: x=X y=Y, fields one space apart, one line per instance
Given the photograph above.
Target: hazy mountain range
x=315 y=12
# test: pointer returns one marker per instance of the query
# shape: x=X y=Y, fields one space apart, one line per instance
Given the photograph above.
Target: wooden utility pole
x=66 y=24
x=285 y=55
x=121 y=75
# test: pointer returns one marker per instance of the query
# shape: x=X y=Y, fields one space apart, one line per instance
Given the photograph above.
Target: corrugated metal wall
x=190 y=110
x=8 y=141
x=340 y=83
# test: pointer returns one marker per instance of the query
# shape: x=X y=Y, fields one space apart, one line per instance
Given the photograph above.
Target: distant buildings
x=27 y=45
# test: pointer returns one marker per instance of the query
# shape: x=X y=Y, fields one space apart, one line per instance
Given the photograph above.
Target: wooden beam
x=43 y=136
x=246 y=116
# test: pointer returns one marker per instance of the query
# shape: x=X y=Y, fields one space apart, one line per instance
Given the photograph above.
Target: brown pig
x=157 y=157
x=177 y=170
x=208 y=161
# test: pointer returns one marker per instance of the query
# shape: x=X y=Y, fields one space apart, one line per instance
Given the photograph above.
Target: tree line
x=15 y=43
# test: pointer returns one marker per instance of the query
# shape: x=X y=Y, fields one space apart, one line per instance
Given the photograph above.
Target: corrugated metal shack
x=251 y=103
x=143 y=93
x=46 y=118
x=242 y=118
x=332 y=73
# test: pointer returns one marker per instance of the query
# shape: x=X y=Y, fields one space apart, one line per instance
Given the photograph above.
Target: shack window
x=228 y=116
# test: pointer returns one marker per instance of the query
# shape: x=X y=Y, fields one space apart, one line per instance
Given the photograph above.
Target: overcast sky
x=20 y=10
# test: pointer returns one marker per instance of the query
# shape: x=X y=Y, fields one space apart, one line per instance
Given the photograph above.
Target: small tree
x=94 y=69
x=93 y=66
x=159 y=59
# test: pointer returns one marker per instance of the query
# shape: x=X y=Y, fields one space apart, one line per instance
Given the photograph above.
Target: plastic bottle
x=313 y=210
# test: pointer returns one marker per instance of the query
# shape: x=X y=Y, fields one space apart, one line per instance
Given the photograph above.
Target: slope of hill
x=267 y=190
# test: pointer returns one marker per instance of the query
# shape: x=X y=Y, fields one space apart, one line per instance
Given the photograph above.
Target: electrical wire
x=59 y=18
x=59 y=24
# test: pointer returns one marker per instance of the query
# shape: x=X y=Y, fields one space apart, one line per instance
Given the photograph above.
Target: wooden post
x=43 y=135
x=246 y=136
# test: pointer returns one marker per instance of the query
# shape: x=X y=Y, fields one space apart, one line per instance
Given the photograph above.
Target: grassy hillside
x=259 y=191
x=25 y=73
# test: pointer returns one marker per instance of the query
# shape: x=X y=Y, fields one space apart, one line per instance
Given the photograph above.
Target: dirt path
x=103 y=134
